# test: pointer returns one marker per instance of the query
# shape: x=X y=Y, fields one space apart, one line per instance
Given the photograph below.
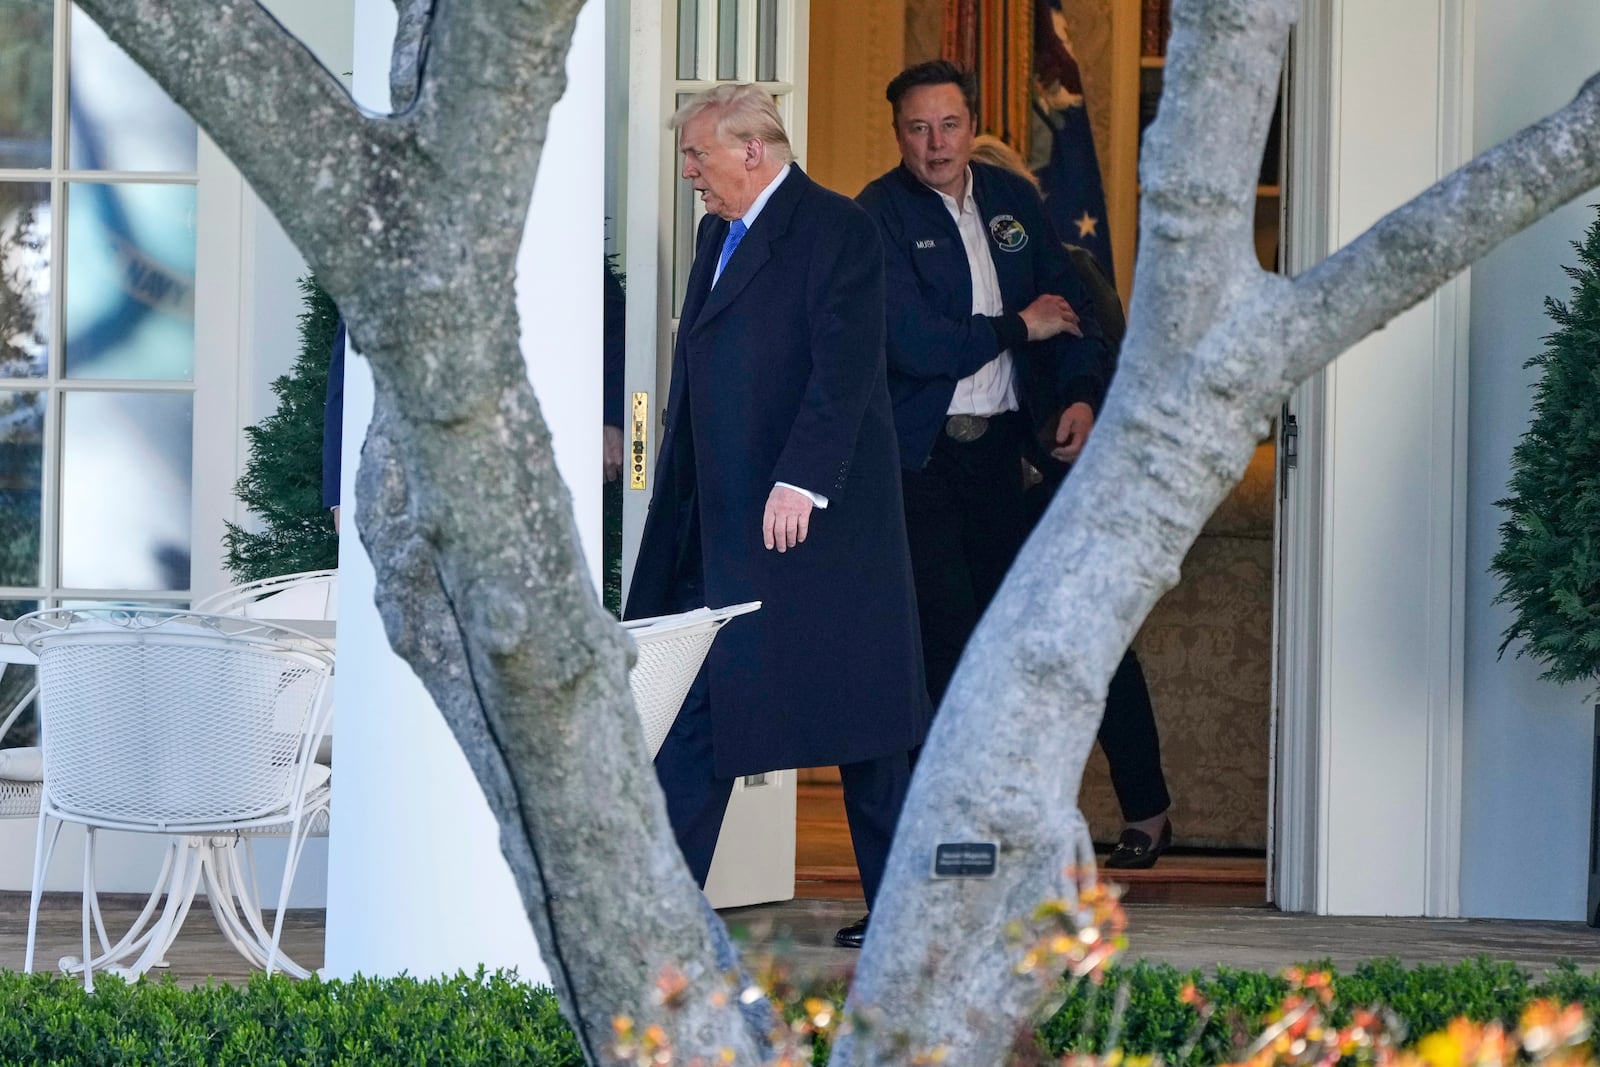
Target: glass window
x=727 y=40
x=24 y=278
x=121 y=119
x=130 y=281
x=26 y=44
x=766 y=40
x=688 y=40
x=126 y=482
x=21 y=485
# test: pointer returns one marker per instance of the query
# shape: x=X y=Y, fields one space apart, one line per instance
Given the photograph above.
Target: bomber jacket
x=934 y=340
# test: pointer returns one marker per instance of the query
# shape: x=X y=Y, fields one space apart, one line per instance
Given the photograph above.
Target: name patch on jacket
x=1008 y=233
x=926 y=242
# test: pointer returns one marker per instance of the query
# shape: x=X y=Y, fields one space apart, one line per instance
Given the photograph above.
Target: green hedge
x=1423 y=999
x=491 y=1019
x=488 y=1020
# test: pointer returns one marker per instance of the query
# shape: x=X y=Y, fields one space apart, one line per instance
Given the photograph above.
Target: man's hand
x=1049 y=315
x=613 y=452
x=1072 y=432
x=786 y=519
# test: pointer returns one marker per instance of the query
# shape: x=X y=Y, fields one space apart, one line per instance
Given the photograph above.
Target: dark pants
x=697 y=799
x=964 y=524
x=1132 y=747
x=966 y=518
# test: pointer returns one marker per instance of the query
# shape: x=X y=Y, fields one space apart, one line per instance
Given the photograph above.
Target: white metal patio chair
x=173 y=722
x=305 y=595
x=671 y=650
x=302 y=595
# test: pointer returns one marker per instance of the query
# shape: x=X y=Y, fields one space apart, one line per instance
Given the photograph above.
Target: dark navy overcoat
x=779 y=376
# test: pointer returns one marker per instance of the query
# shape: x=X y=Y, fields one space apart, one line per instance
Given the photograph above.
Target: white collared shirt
x=990 y=389
x=749 y=217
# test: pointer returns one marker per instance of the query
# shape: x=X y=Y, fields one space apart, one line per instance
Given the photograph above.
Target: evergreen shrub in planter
x=1549 y=557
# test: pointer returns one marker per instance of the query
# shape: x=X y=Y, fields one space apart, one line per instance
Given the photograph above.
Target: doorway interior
x=1208 y=646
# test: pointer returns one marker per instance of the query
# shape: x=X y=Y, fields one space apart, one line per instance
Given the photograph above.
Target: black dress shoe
x=1135 y=850
x=852 y=936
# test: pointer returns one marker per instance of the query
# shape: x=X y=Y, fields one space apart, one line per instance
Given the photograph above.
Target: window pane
x=15 y=681
x=21 y=466
x=130 y=281
x=24 y=278
x=121 y=119
x=688 y=40
x=766 y=40
x=727 y=40
x=126 y=482
x=26 y=33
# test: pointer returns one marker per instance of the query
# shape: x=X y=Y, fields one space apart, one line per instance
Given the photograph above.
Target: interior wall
x=855 y=49
x=1527 y=747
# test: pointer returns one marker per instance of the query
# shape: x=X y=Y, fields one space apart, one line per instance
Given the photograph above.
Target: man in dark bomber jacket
x=993 y=352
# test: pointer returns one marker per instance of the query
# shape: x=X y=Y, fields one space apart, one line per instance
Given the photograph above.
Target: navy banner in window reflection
x=26 y=32
x=21 y=467
x=24 y=278
x=121 y=119
x=126 y=482
x=130 y=281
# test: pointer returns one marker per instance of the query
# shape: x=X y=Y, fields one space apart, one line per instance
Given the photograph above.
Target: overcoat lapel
x=708 y=248
x=756 y=247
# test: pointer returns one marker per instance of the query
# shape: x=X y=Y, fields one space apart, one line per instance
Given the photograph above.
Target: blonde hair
x=744 y=113
x=987 y=148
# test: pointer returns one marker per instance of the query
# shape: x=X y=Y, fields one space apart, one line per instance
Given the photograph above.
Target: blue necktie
x=736 y=234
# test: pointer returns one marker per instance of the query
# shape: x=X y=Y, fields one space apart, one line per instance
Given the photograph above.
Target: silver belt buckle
x=966 y=428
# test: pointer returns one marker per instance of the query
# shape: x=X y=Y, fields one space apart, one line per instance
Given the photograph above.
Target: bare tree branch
x=1197 y=171
x=1414 y=249
x=278 y=114
x=410 y=52
x=493 y=68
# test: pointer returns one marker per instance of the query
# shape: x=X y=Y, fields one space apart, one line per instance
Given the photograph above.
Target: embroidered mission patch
x=1008 y=233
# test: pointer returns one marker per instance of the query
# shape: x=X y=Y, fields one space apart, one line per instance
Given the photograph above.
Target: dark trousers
x=874 y=791
x=1132 y=747
x=964 y=524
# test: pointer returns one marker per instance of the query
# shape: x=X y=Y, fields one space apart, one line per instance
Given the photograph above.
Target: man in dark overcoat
x=778 y=480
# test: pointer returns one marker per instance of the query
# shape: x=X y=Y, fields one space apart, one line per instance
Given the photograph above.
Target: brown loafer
x=852 y=936
x=1135 y=851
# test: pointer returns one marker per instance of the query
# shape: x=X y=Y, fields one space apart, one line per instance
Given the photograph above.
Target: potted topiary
x=1549 y=557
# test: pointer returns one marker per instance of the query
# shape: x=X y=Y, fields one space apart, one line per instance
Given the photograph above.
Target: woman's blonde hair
x=744 y=113
x=987 y=148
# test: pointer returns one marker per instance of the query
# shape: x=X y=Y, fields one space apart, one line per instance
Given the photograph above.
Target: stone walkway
x=799 y=935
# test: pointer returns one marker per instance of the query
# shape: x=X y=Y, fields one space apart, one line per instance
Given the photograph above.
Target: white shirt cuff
x=816 y=498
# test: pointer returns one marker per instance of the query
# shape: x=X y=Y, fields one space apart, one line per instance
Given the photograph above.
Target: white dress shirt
x=990 y=389
x=749 y=220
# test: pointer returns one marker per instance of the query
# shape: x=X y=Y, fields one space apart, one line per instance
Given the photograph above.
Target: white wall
x=416 y=880
x=1528 y=745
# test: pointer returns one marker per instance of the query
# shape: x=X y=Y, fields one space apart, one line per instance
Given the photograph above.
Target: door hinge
x=1288 y=449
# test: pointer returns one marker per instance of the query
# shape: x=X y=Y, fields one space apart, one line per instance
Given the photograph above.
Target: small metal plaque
x=640 y=426
x=965 y=859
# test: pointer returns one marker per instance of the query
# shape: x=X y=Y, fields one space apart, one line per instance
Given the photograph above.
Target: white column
x=1392 y=492
x=416 y=881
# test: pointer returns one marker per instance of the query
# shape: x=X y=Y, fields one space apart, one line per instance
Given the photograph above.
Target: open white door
x=678 y=48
